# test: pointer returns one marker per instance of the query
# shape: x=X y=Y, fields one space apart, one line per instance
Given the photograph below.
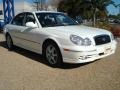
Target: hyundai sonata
x=58 y=38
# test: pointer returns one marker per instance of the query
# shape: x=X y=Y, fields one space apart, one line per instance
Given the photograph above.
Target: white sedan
x=58 y=38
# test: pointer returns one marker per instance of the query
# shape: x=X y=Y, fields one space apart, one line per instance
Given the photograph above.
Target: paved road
x=24 y=70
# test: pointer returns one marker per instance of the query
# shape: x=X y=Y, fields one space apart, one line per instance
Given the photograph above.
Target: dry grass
x=104 y=25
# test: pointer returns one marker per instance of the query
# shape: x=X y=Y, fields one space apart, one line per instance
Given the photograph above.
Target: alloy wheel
x=51 y=54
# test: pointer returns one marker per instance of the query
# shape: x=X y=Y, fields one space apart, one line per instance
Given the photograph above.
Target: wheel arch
x=47 y=40
x=6 y=34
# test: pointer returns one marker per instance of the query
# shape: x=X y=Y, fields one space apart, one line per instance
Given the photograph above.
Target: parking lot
x=24 y=70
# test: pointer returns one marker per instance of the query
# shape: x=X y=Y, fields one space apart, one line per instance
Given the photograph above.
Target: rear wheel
x=9 y=42
x=52 y=55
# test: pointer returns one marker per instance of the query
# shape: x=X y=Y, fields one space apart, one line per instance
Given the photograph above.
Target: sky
x=111 y=9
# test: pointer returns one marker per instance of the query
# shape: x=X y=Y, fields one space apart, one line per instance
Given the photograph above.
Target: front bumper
x=88 y=54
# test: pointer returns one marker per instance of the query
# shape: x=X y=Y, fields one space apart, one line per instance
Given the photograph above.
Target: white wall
x=1 y=8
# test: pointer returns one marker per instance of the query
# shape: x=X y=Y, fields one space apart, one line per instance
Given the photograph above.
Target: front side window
x=18 y=20
x=54 y=19
x=30 y=18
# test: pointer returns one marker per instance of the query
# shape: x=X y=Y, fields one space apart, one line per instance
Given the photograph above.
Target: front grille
x=102 y=39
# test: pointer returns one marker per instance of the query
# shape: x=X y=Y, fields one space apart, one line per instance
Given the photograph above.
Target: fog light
x=83 y=57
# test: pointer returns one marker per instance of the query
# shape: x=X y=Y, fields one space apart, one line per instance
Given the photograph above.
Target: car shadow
x=1 y=31
x=39 y=58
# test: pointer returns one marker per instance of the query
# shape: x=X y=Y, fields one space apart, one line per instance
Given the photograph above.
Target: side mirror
x=31 y=24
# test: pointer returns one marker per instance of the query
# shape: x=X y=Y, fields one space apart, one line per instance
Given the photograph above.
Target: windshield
x=55 y=19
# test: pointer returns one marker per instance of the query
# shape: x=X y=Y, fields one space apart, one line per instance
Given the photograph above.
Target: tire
x=9 y=42
x=52 y=54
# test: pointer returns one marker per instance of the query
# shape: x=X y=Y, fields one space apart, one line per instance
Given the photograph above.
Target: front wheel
x=52 y=55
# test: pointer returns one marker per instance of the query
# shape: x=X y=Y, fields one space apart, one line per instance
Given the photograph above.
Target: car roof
x=46 y=12
x=41 y=12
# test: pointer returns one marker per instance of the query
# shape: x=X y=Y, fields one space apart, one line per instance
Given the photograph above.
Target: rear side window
x=18 y=20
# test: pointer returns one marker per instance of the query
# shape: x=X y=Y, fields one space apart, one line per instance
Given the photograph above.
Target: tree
x=88 y=8
x=70 y=6
x=118 y=7
x=54 y=2
x=98 y=6
x=119 y=16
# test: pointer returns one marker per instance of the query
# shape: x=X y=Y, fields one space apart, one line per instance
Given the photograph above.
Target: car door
x=15 y=28
x=30 y=36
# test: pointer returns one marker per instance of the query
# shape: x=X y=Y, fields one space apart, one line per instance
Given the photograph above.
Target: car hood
x=78 y=30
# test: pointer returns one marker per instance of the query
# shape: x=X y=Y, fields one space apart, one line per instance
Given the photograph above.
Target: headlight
x=80 y=41
x=87 y=42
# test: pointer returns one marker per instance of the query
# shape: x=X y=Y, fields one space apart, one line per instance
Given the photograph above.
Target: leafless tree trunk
x=94 y=17
x=39 y=4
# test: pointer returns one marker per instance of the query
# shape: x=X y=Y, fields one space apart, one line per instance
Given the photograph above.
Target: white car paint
x=32 y=39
